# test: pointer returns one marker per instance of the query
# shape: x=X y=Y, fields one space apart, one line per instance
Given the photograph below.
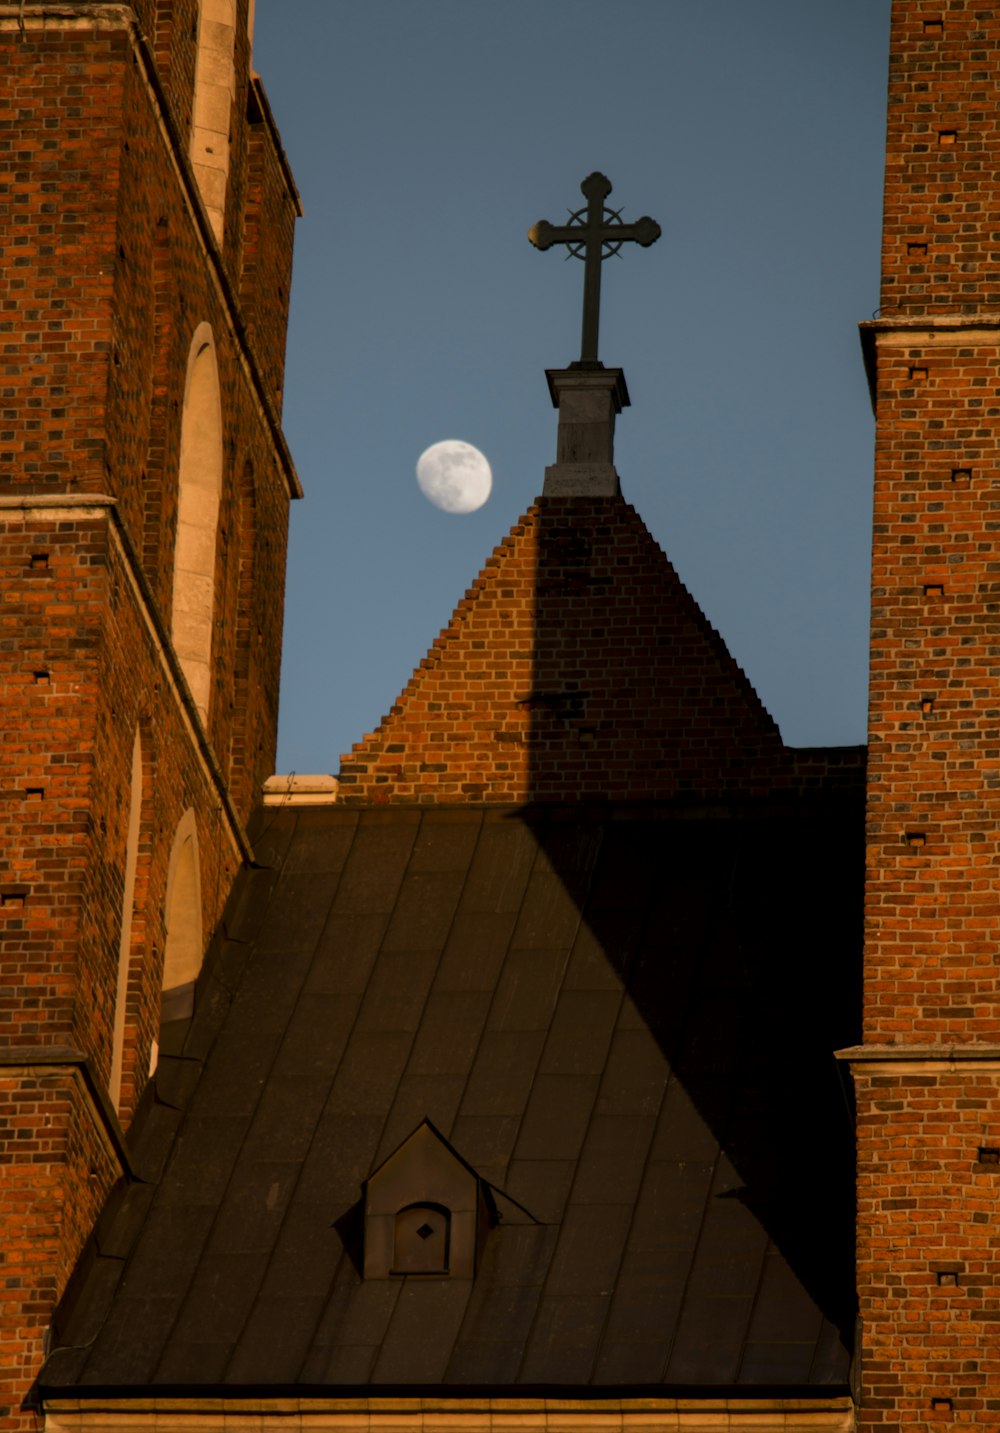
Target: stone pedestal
x=588 y=400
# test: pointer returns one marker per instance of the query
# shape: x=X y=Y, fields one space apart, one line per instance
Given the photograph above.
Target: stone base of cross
x=589 y=398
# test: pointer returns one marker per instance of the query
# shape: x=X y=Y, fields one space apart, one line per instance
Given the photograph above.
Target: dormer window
x=426 y=1212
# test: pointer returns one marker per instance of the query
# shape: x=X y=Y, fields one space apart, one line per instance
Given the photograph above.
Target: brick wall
x=110 y=268
x=56 y=1165
x=116 y=279
x=577 y=666
x=171 y=30
x=59 y=145
x=271 y=208
x=53 y=585
x=941 y=236
x=927 y=1244
x=932 y=912
x=162 y=293
x=83 y=671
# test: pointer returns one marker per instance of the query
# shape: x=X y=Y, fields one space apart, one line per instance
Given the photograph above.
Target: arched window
x=422 y=1240
x=214 y=91
x=199 y=491
x=125 y=938
x=184 y=947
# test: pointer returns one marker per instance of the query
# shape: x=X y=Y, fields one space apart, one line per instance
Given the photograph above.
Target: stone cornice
x=712 y=1412
x=944 y=329
x=929 y=1055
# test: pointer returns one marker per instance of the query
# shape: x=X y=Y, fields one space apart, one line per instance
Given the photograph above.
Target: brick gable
x=577 y=665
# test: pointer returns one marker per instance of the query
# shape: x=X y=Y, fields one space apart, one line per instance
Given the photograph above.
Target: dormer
x=426 y=1212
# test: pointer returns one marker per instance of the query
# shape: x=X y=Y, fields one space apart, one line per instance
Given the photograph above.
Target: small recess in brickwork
x=961 y=475
x=933 y=589
x=947 y=136
x=916 y=838
x=926 y=705
x=917 y=251
x=918 y=375
x=933 y=27
x=40 y=676
x=13 y=898
x=34 y=793
x=39 y=561
x=988 y=1157
x=947 y=1275
x=941 y=1405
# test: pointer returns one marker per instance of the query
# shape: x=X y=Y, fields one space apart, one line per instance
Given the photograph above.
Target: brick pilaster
x=928 y=1270
x=110 y=268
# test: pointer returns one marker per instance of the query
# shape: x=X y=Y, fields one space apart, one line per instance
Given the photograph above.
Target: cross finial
x=593 y=234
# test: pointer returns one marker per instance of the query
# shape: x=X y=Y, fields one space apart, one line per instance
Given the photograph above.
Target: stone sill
x=296 y=790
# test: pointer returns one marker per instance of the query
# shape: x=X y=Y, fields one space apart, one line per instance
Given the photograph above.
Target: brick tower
x=928 y=1074
x=147 y=220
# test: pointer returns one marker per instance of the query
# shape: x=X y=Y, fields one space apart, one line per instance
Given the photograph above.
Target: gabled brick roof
x=577 y=666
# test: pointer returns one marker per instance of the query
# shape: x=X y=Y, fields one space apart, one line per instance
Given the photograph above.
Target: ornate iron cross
x=594 y=234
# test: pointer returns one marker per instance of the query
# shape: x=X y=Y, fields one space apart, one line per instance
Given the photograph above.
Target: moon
x=454 y=476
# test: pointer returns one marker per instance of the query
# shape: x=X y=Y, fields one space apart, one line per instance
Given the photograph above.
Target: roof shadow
x=612 y=973
x=746 y=968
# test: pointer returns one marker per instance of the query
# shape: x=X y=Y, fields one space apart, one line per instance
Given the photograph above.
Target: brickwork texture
x=578 y=667
x=110 y=267
x=928 y=1267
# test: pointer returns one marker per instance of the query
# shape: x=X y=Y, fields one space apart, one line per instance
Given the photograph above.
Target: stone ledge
x=774 y=1414
x=929 y=1054
x=581 y=480
x=294 y=790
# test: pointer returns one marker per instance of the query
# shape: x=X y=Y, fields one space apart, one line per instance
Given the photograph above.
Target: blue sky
x=426 y=137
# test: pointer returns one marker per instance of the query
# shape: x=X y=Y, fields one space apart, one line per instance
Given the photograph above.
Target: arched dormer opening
x=199 y=493
x=214 y=93
x=125 y=934
x=422 y=1240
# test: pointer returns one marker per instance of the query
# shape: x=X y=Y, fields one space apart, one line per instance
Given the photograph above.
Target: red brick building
x=928 y=1075
x=554 y=984
x=147 y=228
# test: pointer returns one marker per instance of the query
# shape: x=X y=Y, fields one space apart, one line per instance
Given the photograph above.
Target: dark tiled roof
x=622 y=1020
